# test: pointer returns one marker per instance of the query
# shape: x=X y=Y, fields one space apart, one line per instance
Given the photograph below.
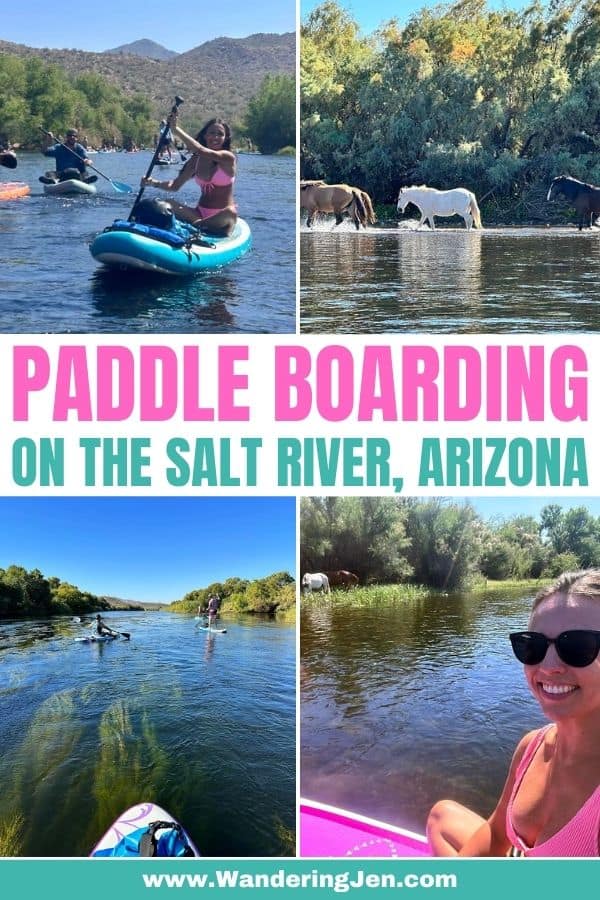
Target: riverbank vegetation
x=26 y=593
x=274 y=595
x=271 y=118
x=442 y=544
x=35 y=94
x=30 y=593
x=499 y=101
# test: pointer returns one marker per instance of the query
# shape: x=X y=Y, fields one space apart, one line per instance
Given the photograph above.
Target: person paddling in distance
x=70 y=158
x=550 y=804
x=213 y=609
x=102 y=628
x=212 y=166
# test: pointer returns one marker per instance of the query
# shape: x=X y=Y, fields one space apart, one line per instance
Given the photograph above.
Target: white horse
x=432 y=202
x=315 y=582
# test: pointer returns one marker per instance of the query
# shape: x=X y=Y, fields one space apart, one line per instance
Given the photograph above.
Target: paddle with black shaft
x=119 y=186
x=124 y=634
x=161 y=142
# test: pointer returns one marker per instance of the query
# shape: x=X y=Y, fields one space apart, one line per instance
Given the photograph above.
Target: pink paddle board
x=328 y=831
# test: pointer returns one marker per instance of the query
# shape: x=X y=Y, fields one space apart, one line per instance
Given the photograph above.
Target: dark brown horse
x=342 y=578
x=584 y=197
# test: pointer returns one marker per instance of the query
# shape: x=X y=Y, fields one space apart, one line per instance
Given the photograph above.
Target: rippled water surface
x=404 y=705
x=450 y=280
x=49 y=282
x=203 y=725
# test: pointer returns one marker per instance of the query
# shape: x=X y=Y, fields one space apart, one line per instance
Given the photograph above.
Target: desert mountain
x=144 y=47
x=218 y=77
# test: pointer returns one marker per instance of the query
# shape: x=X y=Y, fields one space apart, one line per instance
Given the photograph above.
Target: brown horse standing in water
x=584 y=197
x=339 y=199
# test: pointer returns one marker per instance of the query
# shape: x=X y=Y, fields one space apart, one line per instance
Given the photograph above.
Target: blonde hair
x=585 y=583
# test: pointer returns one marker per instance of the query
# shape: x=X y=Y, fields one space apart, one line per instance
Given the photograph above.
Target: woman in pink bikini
x=550 y=804
x=212 y=167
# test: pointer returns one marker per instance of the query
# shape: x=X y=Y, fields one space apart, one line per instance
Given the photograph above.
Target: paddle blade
x=126 y=635
x=121 y=187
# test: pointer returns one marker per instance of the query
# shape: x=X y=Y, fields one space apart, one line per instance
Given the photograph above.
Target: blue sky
x=154 y=548
x=179 y=25
x=370 y=15
x=492 y=507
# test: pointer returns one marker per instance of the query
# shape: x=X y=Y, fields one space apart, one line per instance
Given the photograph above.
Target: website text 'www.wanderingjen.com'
x=339 y=882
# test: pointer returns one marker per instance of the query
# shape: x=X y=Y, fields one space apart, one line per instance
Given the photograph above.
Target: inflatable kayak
x=70 y=186
x=328 y=831
x=128 y=245
x=12 y=190
x=145 y=830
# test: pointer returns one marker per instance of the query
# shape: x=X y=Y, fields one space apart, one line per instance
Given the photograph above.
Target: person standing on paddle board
x=71 y=162
x=212 y=166
x=213 y=609
x=550 y=804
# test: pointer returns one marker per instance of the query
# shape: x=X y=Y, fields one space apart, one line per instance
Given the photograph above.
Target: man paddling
x=70 y=158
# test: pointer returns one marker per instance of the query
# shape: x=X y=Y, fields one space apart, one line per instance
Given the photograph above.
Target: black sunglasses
x=575 y=648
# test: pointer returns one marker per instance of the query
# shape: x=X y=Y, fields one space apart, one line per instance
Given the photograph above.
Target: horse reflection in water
x=432 y=203
x=447 y=270
x=584 y=197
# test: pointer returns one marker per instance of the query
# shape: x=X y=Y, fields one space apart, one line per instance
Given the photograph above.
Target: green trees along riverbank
x=274 y=595
x=36 y=94
x=497 y=101
x=29 y=593
x=26 y=593
x=440 y=543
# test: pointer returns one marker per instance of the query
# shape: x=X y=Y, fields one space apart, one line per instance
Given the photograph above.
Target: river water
x=203 y=725
x=449 y=281
x=49 y=282
x=405 y=704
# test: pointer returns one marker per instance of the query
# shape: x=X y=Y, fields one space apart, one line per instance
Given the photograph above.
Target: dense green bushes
x=498 y=101
x=34 y=94
x=271 y=117
x=441 y=543
x=29 y=593
x=273 y=595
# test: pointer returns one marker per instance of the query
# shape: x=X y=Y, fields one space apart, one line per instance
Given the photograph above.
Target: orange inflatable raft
x=11 y=190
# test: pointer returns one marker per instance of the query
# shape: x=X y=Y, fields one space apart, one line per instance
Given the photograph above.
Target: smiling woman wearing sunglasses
x=550 y=804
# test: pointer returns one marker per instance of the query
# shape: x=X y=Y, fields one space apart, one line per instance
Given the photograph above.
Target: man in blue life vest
x=70 y=159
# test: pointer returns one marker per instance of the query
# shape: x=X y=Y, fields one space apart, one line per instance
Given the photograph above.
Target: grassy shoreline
x=402 y=593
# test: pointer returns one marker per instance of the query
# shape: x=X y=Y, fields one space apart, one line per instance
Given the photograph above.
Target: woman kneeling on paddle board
x=212 y=167
x=550 y=804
